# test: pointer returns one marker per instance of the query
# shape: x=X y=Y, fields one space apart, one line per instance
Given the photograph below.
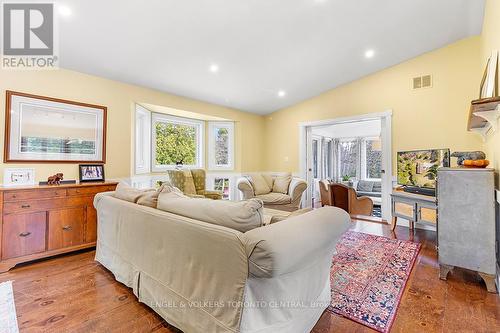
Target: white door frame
x=305 y=155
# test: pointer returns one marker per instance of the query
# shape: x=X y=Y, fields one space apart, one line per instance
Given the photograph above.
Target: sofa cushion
x=275 y=198
x=125 y=192
x=281 y=217
x=259 y=184
x=242 y=215
x=377 y=187
x=365 y=186
x=281 y=184
x=369 y=194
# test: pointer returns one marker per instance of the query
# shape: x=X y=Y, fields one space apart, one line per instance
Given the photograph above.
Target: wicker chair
x=325 y=193
x=346 y=198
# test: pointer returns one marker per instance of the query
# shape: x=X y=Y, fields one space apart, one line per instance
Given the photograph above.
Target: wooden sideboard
x=42 y=221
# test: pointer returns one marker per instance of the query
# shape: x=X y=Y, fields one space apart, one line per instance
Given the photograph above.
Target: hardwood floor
x=73 y=293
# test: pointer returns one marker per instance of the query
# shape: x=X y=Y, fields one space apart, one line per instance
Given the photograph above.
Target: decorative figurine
x=471 y=155
x=55 y=179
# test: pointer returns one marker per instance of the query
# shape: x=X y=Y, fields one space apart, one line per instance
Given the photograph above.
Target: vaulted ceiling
x=259 y=55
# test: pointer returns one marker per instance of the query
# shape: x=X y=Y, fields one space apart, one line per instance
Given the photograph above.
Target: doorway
x=355 y=151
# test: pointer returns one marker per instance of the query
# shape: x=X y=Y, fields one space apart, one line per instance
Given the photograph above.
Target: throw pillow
x=125 y=192
x=149 y=199
x=269 y=180
x=259 y=184
x=281 y=184
x=242 y=215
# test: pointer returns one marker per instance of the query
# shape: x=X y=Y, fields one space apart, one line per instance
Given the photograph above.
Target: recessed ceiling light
x=214 y=68
x=64 y=11
x=281 y=93
x=369 y=53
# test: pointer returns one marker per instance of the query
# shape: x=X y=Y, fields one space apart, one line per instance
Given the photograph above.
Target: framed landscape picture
x=49 y=130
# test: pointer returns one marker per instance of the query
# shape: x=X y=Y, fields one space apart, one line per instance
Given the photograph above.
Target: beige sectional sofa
x=277 y=190
x=204 y=277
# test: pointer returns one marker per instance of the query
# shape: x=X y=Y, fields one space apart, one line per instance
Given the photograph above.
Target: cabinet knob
x=25 y=206
x=24 y=234
x=67 y=228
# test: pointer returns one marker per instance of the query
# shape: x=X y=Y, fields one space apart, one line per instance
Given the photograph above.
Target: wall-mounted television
x=417 y=169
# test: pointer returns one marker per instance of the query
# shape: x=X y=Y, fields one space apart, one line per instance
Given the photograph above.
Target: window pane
x=221 y=146
x=373 y=159
x=348 y=151
x=175 y=143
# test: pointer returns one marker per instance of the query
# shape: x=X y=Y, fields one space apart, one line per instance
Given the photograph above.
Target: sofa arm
x=246 y=189
x=290 y=245
x=295 y=190
x=98 y=197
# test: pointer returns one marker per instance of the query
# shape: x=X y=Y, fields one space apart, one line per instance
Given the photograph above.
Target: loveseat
x=277 y=190
x=369 y=188
x=204 y=277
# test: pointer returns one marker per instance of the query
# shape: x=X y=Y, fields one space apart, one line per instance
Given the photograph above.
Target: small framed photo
x=19 y=177
x=91 y=173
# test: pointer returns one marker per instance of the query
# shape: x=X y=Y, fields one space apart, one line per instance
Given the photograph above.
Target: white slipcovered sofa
x=277 y=190
x=203 y=277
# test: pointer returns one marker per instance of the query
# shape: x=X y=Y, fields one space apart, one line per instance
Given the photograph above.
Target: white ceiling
x=303 y=47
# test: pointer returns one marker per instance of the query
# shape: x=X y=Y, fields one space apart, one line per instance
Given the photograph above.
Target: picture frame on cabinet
x=18 y=177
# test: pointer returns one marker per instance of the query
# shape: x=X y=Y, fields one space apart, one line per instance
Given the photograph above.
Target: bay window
x=221 y=145
x=164 y=141
x=176 y=141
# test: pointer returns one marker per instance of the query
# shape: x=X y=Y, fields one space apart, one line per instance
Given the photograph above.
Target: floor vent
x=420 y=82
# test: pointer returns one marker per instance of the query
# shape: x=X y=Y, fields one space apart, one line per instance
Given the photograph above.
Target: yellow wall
x=490 y=40
x=428 y=118
x=120 y=99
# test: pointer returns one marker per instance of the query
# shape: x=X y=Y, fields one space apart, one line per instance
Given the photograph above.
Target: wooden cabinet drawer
x=35 y=205
x=66 y=228
x=34 y=194
x=90 y=190
x=32 y=205
x=23 y=234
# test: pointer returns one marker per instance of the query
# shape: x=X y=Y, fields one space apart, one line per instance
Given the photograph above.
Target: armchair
x=269 y=193
x=192 y=183
x=325 y=193
x=346 y=198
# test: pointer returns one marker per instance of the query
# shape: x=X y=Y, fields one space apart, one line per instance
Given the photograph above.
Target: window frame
x=164 y=118
x=316 y=142
x=142 y=141
x=212 y=125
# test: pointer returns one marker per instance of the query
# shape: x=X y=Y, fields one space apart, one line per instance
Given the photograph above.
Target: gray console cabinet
x=466 y=227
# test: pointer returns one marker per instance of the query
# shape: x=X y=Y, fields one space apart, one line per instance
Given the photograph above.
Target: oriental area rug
x=368 y=277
